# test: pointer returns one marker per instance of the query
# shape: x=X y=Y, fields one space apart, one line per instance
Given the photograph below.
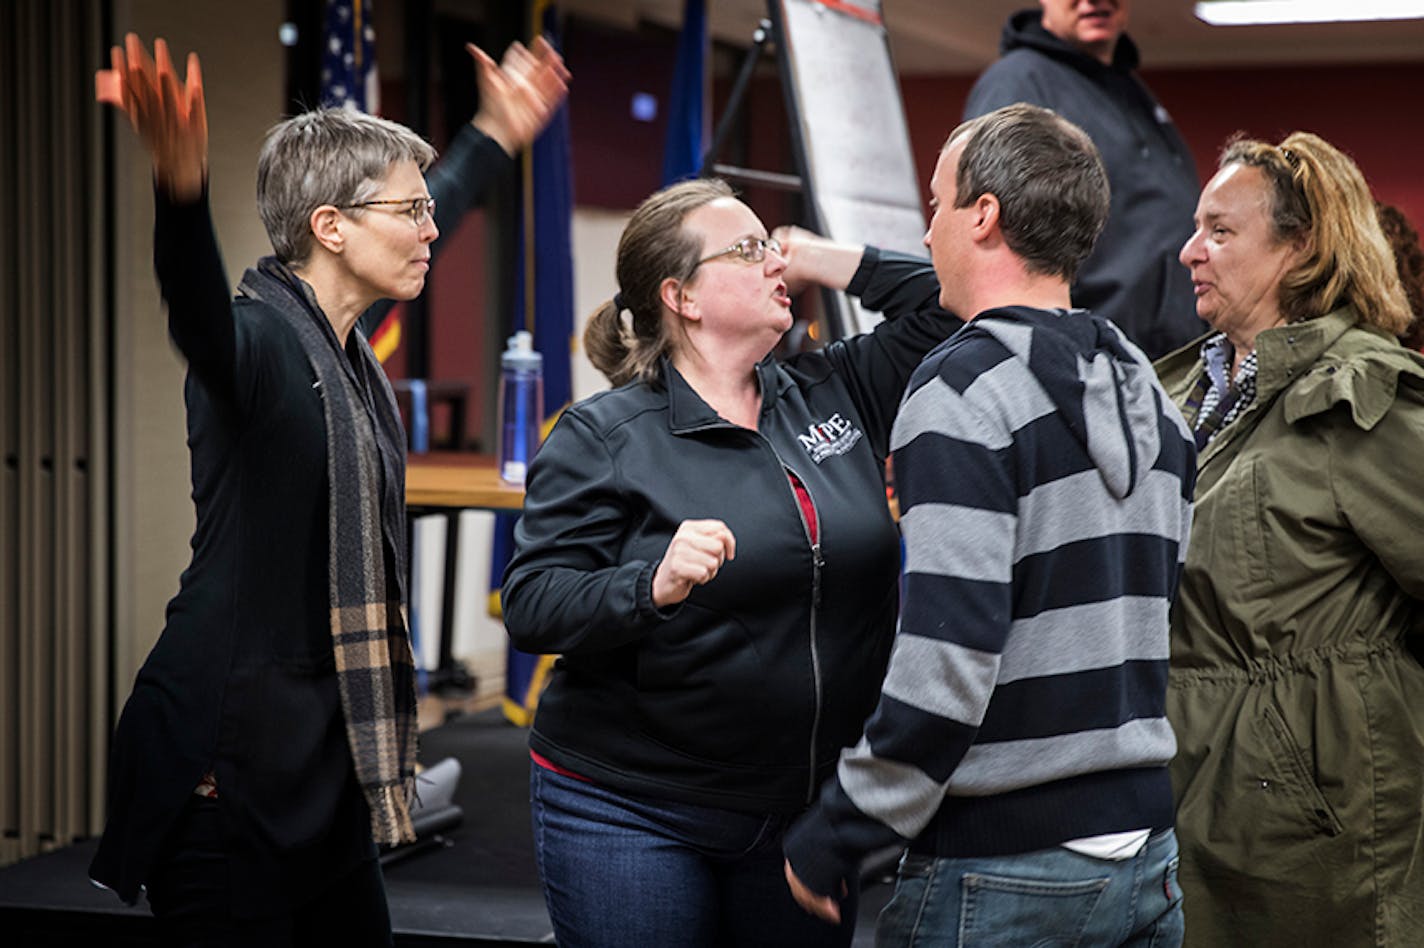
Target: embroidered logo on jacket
x=833 y=436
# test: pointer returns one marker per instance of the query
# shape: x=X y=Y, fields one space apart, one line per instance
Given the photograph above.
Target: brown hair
x=654 y=247
x=1319 y=196
x=1049 y=179
x=1409 y=264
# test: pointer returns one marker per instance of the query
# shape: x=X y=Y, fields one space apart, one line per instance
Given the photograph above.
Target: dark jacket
x=742 y=696
x=1298 y=705
x=1133 y=276
x=242 y=681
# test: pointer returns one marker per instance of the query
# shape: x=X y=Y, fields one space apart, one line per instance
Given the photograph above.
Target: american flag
x=348 y=79
x=348 y=56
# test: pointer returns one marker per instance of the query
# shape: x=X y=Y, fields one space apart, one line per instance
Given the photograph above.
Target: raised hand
x=520 y=94
x=693 y=557
x=815 y=260
x=171 y=118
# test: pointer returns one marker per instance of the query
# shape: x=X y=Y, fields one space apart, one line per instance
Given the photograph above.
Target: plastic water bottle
x=521 y=406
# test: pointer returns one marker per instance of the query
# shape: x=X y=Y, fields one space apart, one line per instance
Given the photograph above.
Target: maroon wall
x=1363 y=110
x=1360 y=109
x=618 y=159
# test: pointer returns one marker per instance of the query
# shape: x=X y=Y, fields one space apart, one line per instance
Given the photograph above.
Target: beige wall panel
x=243 y=79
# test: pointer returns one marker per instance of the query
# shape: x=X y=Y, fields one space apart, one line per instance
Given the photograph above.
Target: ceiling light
x=1250 y=12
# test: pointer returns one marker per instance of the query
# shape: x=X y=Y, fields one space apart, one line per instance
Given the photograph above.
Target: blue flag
x=349 y=80
x=687 y=115
x=548 y=242
x=348 y=56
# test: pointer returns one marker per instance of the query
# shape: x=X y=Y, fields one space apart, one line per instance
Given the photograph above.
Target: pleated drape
x=55 y=342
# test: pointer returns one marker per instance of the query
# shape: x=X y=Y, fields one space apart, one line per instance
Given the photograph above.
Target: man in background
x=1073 y=57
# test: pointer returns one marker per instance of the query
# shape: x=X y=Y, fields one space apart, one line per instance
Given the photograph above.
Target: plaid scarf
x=365 y=470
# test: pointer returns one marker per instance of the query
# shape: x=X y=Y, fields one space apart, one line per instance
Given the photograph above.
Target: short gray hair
x=1049 y=179
x=326 y=156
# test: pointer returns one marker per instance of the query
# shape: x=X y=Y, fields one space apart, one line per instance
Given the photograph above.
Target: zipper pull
x=817 y=561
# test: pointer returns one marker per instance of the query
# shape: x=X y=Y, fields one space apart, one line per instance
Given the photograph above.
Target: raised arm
x=518 y=97
x=875 y=365
x=813 y=260
x=520 y=94
x=170 y=119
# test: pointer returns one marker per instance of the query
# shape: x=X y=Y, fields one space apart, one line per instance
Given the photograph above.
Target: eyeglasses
x=750 y=249
x=417 y=209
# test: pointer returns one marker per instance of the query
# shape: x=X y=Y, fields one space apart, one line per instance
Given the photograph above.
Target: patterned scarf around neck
x=365 y=470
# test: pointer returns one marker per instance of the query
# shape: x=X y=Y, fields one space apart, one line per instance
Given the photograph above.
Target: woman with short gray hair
x=269 y=743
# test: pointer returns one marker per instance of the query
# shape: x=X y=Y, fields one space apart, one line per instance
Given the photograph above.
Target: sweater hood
x=1024 y=30
x=1101 y=384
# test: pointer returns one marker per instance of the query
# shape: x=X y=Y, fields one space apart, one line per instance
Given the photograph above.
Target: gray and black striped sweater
x=1045 y=484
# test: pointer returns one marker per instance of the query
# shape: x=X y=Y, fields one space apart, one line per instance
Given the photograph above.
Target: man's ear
x=986 y=217
x=674 y=296
x=326 y=226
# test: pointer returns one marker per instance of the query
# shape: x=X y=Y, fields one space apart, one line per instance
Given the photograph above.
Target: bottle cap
x=519 y=353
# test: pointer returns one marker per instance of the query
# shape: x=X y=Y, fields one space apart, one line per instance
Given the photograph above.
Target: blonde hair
x=1319 y=197
x=654 y=246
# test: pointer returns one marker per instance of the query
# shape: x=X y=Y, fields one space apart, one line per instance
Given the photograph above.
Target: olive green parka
x=1298 y=706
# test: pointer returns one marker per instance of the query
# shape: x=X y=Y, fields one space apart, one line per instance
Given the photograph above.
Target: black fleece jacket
x=742 y=696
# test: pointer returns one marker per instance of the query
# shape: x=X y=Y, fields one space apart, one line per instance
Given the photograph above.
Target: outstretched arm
x=520 y=94
x=170 y=117
x=171 y=120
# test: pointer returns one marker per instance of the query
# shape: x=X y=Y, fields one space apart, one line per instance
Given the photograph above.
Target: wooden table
x=448 y=482
x=455 y=479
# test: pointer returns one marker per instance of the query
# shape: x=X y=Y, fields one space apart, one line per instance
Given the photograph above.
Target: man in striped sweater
x=1020 y=744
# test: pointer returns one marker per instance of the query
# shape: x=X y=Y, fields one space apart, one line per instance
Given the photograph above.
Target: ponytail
x=654 y=247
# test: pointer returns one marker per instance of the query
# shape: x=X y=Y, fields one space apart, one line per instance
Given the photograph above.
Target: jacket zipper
x=818 y=561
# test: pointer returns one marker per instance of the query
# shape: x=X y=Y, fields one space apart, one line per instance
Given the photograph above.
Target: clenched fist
x=693 y=557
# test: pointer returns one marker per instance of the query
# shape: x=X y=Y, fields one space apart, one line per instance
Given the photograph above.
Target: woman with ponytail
x=1298 y=706
x=708 y=546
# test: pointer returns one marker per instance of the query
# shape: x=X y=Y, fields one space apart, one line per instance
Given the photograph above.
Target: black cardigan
x=242 y=681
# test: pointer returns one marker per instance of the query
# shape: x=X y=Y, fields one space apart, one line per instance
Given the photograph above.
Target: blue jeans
x=632 y=872
x=1053 y=897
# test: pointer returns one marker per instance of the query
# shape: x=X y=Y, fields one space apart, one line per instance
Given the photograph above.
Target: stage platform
x=479 y=888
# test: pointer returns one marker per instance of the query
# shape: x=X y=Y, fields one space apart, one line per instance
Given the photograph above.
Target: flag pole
x=536 y=20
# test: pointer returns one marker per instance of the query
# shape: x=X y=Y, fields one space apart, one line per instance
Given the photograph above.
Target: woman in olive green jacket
x=1298 y=706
